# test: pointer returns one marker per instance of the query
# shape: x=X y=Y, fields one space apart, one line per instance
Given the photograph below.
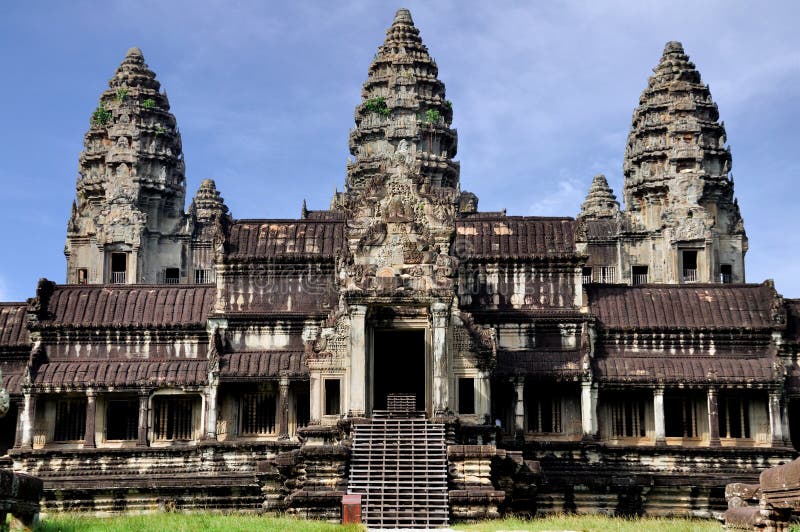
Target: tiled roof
x=266 y=239
x=514 y=237
x=559 y=365
x=682 y=306
x=12 y=324
x=13 y=373
x=660 y=367
x=75 y=374
x=255 y=365
x=126 y=305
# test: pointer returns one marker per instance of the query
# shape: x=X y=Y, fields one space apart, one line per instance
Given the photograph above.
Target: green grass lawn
x=593 y=523
x=191 y=522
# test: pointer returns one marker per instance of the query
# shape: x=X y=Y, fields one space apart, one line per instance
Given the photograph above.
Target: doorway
x=399 y=365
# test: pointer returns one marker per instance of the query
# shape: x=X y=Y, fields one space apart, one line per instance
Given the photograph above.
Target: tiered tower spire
x=601 y=201
x=677 y=186
x=131 y=186
x=404 y=113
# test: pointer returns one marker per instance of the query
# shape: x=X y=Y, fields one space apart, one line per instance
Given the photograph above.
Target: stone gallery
x=441 y=361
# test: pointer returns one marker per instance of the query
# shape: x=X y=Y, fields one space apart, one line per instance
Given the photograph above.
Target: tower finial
x=134 y=52
x=403 y=16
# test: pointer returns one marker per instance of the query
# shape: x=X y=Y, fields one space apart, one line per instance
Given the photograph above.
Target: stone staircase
x=399 y=466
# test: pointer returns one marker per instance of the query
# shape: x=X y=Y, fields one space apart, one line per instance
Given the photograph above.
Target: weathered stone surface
x=241 y=388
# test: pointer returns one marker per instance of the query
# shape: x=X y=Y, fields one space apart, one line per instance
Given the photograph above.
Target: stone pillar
x=358 y=361
x=20 y=419
x=143 y=400
x=28 y=418
x=283 y=408
x=441 y=375
x=785 y=422
x=713 y=418
x=658 y=412
x=484 y=411
x=91 y=411
x=211 y=412
x=519 y=407
x=775 y=425
x=315 y=396
x=588 y=411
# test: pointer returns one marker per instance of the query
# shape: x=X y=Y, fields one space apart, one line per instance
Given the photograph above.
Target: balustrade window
x=172 y=275
x=587 y=275
x=257 y=413
x=639 y=274
x=734 y=417
x=689 y=265
x=202 y=276
x=627 y=418
x=302 y=404
x=70 y=419
x=725 y=273
x=83 y=276
x=681 y=417
x=173 y=418
x=466 y=395
x=544 y=414
x=607 y=274
x=122 y=419
x=119 y=267
x=332 y=397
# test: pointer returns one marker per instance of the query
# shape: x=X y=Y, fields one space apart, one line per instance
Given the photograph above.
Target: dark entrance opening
x=8 y=429
x=399 y=365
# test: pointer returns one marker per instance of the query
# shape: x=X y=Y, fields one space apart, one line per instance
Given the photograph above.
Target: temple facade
x=614 y=362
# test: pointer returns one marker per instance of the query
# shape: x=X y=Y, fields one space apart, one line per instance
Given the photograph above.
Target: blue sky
x=264 y=94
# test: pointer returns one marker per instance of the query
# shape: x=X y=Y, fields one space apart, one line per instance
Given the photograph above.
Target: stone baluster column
x=588 y=410
x=143 y=400
x=519 y=408
x=20 y=420
x=485 y=396
x=315 y=396
x=283 y=408
x=658 y=411
x=211 y=412
x=775 y=425
x=91 y=411
x=441 y=376
x=28 y=419
x=713 y=418
x=358 y=361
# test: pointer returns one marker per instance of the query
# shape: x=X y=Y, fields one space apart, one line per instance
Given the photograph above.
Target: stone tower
x=682 y=221
x=404 y=115
x=127 y=223
x=402 y=190
x=600 y=202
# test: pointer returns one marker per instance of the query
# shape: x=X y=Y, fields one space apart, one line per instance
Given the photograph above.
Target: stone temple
x=441 y=361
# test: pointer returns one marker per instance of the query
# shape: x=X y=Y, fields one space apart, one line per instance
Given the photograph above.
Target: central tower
x=404 y=115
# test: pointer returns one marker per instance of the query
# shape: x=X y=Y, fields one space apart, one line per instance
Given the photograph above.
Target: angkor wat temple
x=612 y=362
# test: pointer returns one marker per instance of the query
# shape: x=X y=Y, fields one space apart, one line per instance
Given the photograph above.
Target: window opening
x=639 y=274
x=466 y=395
x=119 y=267
x=70 y=419
x=734 y=417
x=172 y=275
x=122 y=419
x=173 y=418
x=689 y=266
x=725 y=273
x=332 y=397
x=681 y=417
x=258 y=413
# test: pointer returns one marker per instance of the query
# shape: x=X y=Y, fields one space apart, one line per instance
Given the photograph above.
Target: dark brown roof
x=682 y=306
x=75 y=374
x=256 y=365
x=270 y=239
x=660 y=367
x=126 y=305
x=13 y=373
x=515 y=237
x=12 y=324
x=559 y=365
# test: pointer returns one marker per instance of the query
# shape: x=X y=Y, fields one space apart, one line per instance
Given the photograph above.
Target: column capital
x=357 y=311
